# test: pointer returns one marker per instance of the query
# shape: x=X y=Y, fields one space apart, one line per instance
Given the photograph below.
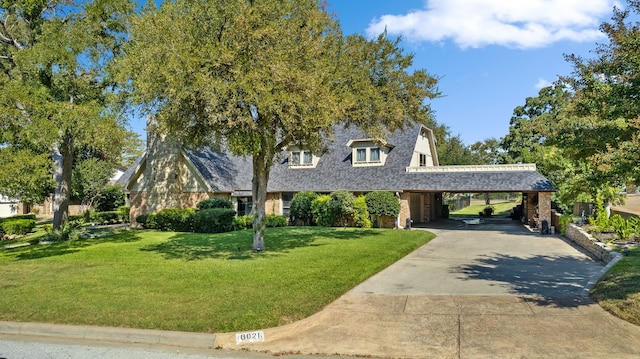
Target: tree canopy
x=55 y=93
x=259 y=76
x=583 y=131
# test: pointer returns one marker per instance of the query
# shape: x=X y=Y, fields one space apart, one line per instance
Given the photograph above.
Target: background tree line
x=583 y=130
x=247 y=76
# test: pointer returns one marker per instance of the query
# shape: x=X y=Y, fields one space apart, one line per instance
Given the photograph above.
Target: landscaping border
x=599 y=250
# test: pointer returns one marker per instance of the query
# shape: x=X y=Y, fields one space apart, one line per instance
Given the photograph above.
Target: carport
x=422 y=199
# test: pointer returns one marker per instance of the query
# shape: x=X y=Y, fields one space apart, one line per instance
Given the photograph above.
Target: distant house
x=406 y=163
x=8 y=206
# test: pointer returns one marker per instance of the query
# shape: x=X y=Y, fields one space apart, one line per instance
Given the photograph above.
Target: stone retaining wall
x=598 y=249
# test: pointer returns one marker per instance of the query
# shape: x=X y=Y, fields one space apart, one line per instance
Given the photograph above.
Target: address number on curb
x=250 y=337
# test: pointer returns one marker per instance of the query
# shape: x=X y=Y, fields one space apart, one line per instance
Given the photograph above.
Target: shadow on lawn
x=36 y=251
x=237 y=245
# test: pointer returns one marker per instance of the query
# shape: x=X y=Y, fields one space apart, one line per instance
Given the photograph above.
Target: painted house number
x=250 y=337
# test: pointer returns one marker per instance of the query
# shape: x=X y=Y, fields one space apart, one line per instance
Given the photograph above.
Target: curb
x=111 y=334
x=616 y=257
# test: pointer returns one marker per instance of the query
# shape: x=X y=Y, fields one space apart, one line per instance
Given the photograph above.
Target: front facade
x=405 y=163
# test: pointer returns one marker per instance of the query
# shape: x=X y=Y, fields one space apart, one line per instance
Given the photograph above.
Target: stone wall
x=598 y=249
x=138 y=205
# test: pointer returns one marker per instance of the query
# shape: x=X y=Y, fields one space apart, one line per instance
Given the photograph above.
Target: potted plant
x=488 y=210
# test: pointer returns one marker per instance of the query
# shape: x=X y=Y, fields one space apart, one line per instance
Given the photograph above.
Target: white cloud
x=542 y=83
x=511 y=23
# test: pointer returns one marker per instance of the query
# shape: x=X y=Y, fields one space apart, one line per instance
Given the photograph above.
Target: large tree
x=602 y=120
x=261 y=75
x=54 y=90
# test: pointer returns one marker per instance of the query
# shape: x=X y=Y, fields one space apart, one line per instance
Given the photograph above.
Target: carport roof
x=480 y=181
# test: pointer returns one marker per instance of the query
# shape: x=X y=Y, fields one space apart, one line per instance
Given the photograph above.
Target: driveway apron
x=494 y=290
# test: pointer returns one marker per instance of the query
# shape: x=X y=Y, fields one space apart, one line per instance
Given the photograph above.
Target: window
x=423 y=160
x=374 y=155
x=286 y=203
x=302 y=159
x=295 y=158
x=245 y=205
x=308 y=158
x=369 y=152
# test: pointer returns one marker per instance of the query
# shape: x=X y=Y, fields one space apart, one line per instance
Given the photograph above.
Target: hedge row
x=121 y=215
x=209 y=220
x=342 y=208
x=17 y=226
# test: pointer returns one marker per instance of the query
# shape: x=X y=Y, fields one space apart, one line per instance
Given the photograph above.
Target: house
x=405 y=163
x=8 y=206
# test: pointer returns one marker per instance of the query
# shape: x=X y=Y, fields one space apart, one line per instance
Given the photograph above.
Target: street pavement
x=494 y=290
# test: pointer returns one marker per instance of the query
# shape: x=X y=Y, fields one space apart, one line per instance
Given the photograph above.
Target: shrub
x=276 y=221
x=565 y=219
x=124 y=212
x=301 y=207
x=147 y=221
x=213 y=220
x=174 y=219
x=20 y=216
x=341 y=207
x=110 y=198
x=361 y=213
x=320 y=210
x=601 y=221
x=110 y=217
x=214 y=203
x=17 y=226
x=242 y=222
x=623 y=228
x=68 y=232
x=634 y=222
x=382 y=203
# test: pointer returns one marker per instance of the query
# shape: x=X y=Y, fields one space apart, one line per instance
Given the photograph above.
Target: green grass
x=619 y=290
x=194 y=282
x=501 y=209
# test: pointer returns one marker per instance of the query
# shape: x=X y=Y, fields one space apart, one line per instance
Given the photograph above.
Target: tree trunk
x=63 y=165
x=261 y=167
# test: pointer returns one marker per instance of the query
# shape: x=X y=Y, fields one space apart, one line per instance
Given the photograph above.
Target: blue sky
x=490 y=55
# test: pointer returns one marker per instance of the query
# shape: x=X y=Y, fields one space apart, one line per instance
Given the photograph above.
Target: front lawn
x=619 y=289
x=194 y=282
x=501 y=209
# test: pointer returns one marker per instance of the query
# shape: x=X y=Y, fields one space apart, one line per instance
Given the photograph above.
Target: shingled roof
x=232 y=174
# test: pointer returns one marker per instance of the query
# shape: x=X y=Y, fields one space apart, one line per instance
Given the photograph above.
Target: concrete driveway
x=478 y=291
x=499 y=258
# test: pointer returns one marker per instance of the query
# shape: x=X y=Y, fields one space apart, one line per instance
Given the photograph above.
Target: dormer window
x=374 y=154
x=368 y=152
x=300 y=158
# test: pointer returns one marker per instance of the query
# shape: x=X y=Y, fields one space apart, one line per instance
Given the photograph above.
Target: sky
x=489 y=55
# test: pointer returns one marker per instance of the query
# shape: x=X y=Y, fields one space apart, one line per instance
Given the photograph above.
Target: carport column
x=405 y=209
x=544 y=206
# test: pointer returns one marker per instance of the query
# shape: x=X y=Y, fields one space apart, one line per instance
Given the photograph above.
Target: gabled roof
x=334 y=171
x=131 y=173
x=222 y=171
